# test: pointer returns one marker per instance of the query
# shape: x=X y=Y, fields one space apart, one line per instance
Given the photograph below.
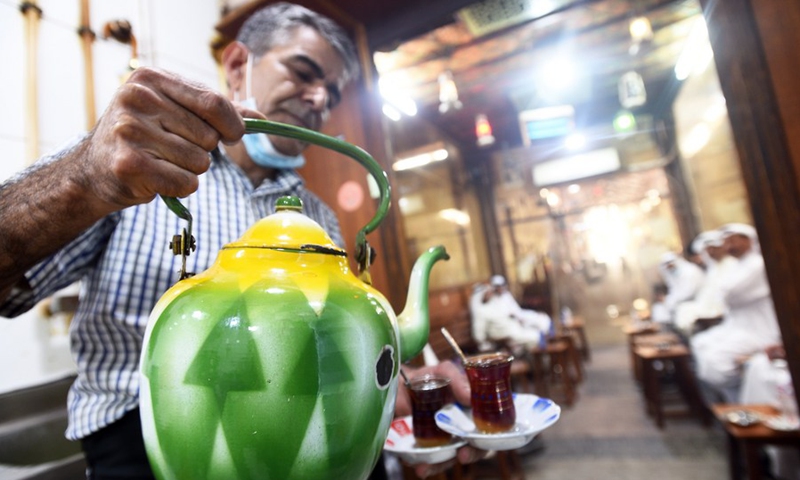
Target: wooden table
x=749 y=440
x=679 y=356
x=650 y=340
x=633 y=331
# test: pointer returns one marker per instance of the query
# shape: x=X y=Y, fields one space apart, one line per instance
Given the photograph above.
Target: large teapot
x=278 y=362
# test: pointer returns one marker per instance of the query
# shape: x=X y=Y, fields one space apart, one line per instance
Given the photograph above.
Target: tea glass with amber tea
x=429 y=393
x=492 y=400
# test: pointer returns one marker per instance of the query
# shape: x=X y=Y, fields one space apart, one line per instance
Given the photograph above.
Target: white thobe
x=709 y=301
x=502 y=319
x=683 y=282
x=748 y=326
x=758 y=386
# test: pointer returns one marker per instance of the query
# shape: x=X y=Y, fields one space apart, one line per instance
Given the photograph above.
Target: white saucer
x=534 y=414
x=400 y=441
x=782 y=423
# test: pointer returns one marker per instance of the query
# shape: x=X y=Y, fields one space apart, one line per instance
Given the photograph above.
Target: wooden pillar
x=87 y=39
x=33 y=15
x=755 y=50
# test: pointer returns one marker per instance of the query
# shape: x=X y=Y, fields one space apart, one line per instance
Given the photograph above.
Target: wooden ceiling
x=501 y=72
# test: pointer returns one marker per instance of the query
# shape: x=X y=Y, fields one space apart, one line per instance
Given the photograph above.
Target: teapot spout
x=414 y=321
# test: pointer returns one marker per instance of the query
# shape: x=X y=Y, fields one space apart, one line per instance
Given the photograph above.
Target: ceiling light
x=391 y=112
x=394 y=96
x=559 y=75
x=574 y=188
x=575 y=141
x=553 y=199
x=640 y=29
x=433 y=153
x=455 y=216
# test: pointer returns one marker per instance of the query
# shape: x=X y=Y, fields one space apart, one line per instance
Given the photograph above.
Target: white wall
x=172 y=34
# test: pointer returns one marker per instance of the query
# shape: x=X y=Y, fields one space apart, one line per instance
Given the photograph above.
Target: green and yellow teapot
x=278 y=362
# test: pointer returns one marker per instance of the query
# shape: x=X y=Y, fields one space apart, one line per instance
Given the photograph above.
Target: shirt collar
x=286 y=182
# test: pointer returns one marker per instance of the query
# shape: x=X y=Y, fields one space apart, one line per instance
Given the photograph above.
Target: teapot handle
x=364 y=253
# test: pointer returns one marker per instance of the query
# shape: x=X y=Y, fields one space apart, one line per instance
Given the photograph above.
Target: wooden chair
x=576 y=328
x=551 y=366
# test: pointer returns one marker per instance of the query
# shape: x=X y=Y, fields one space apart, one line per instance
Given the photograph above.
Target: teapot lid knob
x=290 y=203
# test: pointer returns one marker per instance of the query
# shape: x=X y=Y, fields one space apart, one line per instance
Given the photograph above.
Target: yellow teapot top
x=287 y=229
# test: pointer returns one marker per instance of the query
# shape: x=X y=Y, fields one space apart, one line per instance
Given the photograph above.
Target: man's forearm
x=41 y=210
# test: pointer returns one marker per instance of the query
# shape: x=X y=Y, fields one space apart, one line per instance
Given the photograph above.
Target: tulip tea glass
x=492 y=401
x=429 y=393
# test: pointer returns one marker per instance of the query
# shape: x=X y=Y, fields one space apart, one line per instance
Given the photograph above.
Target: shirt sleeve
x=60 y=269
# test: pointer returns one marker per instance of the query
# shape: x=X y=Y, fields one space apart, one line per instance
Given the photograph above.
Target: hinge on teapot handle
x=184 y=243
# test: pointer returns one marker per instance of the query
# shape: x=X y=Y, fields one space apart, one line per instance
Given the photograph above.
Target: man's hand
x=154 y=138
x=461 y=392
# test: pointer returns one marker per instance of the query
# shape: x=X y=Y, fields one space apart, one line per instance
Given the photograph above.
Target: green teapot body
x=291 y=376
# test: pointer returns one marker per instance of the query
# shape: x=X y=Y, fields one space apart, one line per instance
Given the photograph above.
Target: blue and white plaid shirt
x=125 y=266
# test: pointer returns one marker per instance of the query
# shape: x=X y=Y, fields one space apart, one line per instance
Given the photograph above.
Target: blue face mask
x=258 y=145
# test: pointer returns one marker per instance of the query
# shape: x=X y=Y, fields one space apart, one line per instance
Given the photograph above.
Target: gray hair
x=272 y=25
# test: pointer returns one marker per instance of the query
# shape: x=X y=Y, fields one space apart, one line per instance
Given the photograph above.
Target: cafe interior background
x=564 y=144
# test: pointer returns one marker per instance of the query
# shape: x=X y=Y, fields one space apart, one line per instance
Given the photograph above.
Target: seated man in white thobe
x=498 y=318
x=749 y=324
x=759 y=387
x=683 y=280
x=708 y=303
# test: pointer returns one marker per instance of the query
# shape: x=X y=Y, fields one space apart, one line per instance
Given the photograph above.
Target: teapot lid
x=288 y=229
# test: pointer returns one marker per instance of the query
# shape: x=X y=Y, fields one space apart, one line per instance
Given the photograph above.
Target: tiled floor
x=606 y=435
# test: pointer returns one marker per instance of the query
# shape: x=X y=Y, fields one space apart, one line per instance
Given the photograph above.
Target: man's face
x=737 y=245
x=717 y=253
x=298 y=83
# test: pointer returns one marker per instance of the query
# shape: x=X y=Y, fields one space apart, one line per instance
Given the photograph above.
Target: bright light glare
x=391 y=112
x=696 y=140
x=608 y=233
x=559 y=74
x=393 y=95
x=575 y=141
x=697 y=53
x=420 y=160
x=574 y=188
x=455 y=216
x=641 y=29
x=439 y=155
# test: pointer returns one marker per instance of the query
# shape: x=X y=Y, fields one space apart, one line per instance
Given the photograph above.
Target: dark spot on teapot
x=384 y=367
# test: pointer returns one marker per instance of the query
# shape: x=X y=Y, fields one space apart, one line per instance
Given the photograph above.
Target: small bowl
x=782 y=423
x=400 y=442
x=742 y=418
x=534 y=414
